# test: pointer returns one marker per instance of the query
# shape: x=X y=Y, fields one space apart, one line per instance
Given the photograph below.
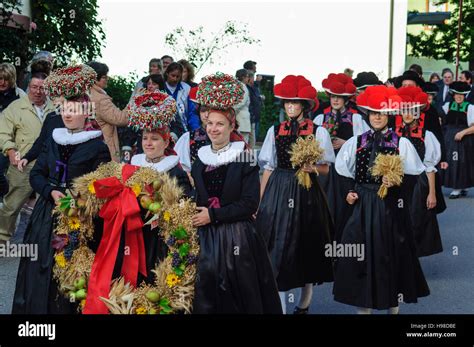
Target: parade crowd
x=262 y=232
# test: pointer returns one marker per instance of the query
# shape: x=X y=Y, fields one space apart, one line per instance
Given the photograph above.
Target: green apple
x=152 y=311
x=153 y=296
x=154 y=207
x=80 y=283
x=81 y=294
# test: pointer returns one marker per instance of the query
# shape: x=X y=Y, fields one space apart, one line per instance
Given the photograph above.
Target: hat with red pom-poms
x=412 y=97
x=151 y=110
x=70 y=82
x=192 y=94
x=296 y=88
x=380 y=99
x=220 y=91
x=339 y=84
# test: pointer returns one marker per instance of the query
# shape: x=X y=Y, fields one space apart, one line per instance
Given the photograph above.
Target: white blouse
x=164 y=165
x=470 y=113
x=432 y=152
x=267 y=157
x=182 y=149
x=346 y=158
x=359 y=125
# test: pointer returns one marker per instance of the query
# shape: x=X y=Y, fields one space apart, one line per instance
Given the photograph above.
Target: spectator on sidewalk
x=155 y=67
x=444 y=95
x=186 y=117
x=20 y=125
x=242 y=111
x=9 y=92
x=166 y=60
x=255 y=108
x=188 y=73
x=107 y=115
x=466 y=76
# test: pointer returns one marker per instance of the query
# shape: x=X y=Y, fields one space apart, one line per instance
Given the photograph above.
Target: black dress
x=36 y=290
x=155 y=247
x=336 y=186
x=416 y=187
x=459 y=154
x=234 y=273
x=390 y=270
x=295 y=222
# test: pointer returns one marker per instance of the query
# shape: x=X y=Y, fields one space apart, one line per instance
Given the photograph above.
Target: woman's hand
x=443 y=165
x=431 y=201
x=202 y=218
x=351 y=198
x=309 y=168
x=337 y=143
x=386 y=182
x=21 y=164
x=459 y=136
x=56 y=195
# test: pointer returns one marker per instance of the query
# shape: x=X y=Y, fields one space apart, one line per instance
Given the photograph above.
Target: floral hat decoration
x=151 y=110
x=220 y=91
x=70 y=82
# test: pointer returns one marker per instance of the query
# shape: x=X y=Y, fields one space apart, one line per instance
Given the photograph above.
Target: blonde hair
x=8 y=73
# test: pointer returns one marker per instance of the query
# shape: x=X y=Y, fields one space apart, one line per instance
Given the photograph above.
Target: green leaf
x=180 y=233
x=183 y=250
x=178 y=271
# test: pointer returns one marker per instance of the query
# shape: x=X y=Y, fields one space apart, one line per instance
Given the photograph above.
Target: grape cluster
x=191 y=259
x=73 y=242
x=171 y=241
x=176 y=259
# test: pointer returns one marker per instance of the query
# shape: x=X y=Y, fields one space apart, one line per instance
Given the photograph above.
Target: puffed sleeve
x=182 y=149
x=346 y=158
x=432 y=152
x=322 y=135
x=359 y=125
x=267 y=158
x=470 y=115
x=319 y=119
x=412 y=164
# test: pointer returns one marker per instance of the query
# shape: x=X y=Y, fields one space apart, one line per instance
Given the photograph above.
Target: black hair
x=447 y=69
x=467 y=74
x=172 y=67
x=241 y=73
x=100 y=69
x=249 y=64
x=39 y=75
x=41 y=66
x=167 y=56
x=156 y=78
x=417 y=68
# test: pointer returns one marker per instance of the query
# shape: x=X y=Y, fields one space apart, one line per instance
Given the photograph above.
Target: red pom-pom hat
x=339 y=84
x=380 y=99
x=296 y=88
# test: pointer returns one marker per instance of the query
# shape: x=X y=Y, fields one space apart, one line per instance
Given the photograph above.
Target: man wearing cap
x=20 y=125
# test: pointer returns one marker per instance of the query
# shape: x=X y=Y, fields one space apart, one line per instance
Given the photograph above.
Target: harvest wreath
x=113 y=192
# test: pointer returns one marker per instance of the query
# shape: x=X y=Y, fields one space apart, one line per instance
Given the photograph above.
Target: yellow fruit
x=72 y=212
x=145 y=201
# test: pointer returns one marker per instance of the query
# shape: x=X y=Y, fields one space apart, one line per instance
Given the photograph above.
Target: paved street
x=450 y=277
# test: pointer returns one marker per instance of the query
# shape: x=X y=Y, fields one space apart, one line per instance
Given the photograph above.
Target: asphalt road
x=450 y=276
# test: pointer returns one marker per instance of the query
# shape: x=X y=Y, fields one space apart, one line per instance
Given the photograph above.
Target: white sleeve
x=346 y=158
x=322 y=135
x=319 y=119
x=267 y=158
x=446 y=108
x=432 y=152
x=412 y=164
x=359 y=125
x=470 y=115
x=182 y=149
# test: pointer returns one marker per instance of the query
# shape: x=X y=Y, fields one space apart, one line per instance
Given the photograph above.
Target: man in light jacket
x=107 y=115
x=20 y=125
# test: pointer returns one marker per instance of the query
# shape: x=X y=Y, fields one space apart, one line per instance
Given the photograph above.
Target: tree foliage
x=70 y=29
x=441 y=42
x=198 y=50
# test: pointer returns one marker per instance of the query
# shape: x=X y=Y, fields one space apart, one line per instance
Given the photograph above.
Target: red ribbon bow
x=121 y=209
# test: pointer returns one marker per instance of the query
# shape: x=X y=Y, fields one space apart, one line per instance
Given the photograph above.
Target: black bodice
x=284 y=139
